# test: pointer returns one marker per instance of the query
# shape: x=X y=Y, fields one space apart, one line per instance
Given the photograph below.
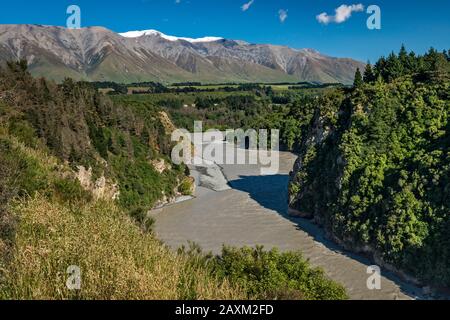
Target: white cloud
x=283 y=15
x=324 y=18
x=247 y=5
x=342 y=14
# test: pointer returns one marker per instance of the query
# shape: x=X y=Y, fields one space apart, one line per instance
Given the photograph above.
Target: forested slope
x=374 y=165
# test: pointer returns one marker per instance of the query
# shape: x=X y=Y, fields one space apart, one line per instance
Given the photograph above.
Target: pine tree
x=413 y=62
x=435 y=66
x=395 y=67
x=403 y=55
x=369 y=75
x=404 y=60
x=431 y=58
x=358 y=79
x=380 y=68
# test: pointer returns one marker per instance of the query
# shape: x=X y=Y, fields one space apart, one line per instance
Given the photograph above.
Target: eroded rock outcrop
x=321 y=127
x=101 y=188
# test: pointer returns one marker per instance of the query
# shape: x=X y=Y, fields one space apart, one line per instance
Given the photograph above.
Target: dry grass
x=117 y=259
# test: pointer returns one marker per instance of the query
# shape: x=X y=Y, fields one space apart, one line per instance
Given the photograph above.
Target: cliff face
x=318 y=144
x=373 y=170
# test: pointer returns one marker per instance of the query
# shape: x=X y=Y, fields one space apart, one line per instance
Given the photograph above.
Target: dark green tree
x=358 y=79
x=435 y=65
x=404 y=59
x=394 y=135
x=413 y=63
x=380 y=68
x=369 y=75
x=447 y=54
x=394 y=67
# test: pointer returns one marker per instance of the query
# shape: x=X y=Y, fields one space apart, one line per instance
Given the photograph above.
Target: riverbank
x=254 y=212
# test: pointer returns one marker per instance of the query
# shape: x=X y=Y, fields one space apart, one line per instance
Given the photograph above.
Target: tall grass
x=116 y=258
x=48 y=224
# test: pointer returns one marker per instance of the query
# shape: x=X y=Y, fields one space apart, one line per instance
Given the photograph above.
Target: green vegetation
x=251 y=106
x=113 y=88
x=79 y=125
x=269 y=274
x=374 y=170
x=374 y=165
x=55 y=214
x=48 y=223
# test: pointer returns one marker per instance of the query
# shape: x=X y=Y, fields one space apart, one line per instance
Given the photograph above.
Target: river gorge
x=237 y=206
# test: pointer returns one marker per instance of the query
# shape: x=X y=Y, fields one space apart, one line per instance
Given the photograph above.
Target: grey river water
x=251 y=211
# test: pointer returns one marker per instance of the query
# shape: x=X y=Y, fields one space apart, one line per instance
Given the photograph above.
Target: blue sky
x=418 y=24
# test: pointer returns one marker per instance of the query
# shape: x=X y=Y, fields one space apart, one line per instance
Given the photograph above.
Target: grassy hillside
x=51 y=223
x=113 y=143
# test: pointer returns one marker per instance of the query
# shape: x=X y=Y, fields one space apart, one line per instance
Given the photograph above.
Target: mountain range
x=99 y=54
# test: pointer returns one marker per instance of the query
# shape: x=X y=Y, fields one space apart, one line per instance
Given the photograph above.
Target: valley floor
x=254 y=212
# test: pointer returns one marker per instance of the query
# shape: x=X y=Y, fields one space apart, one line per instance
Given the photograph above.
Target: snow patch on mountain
x=137 y=34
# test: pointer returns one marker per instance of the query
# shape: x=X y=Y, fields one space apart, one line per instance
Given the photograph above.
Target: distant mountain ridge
x=99 y=54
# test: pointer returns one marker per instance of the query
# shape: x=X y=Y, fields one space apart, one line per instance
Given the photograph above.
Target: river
x=252 y=210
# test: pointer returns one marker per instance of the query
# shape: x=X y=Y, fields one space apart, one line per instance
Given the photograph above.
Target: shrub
x=268 y=274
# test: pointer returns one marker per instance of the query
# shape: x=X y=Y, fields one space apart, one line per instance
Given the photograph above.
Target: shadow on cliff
x=271 y=192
